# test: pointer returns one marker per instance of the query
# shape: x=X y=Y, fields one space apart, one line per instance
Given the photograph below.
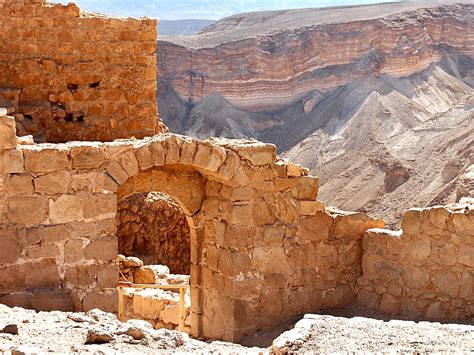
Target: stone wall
x=424 y=271
x=263 y=249
x=74 y=76
x=153 y=227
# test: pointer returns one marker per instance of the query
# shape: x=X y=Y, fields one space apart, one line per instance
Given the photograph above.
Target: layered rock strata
x=267 y=61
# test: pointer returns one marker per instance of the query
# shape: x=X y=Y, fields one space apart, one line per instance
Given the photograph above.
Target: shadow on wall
x=152 y=227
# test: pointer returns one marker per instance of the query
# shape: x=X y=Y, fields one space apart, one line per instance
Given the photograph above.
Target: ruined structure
x=263 y=248
x=72 y=76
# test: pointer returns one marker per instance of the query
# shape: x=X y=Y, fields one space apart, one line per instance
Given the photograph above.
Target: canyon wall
x=68 y=75
x=260 y=63
x=424 y=271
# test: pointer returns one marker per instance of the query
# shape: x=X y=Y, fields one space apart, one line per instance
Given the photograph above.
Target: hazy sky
x=200 y=9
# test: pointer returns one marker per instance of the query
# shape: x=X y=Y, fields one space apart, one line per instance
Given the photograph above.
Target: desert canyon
x=189 y=193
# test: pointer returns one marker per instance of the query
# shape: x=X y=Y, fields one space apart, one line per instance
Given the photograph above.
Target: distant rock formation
x=354 y=93
x=181 y=27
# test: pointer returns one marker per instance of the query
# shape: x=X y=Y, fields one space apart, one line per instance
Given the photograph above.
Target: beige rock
x=150 y=274
x=45 y=159
x=53 y=183
x=7 y=131
x=66 y=208
x=27 y=210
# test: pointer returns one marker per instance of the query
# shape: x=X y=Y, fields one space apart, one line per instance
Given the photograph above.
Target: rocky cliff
x=355 y=93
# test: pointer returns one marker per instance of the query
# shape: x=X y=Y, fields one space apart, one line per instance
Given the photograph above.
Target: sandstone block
x=7 y=131
x=310 y=208
x=73 y=250
x=149 y=303
x=43 y=251
x=150 y=274
x=295 y=170
x=117 y=172
x=106 y=300
x=188 y=151
x=45 y=159
x=306 y=188
x=448 y=283
x=466 y=255
x=144 y=158
x=20 y=185
x=170 y=314
x=129 y=163
x=411 y=221
x=66 y=208
x=106 y=182
x=172 y=150
x=256 y=152
x=158 y=152
x=12 y=162
x=99 y=205
x=87 y=156
x=53 y=183
x=389 y=304
x=27 y=210
x=11 y=245
x=103 y=249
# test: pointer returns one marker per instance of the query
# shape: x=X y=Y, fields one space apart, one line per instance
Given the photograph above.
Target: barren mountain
x=377 y=100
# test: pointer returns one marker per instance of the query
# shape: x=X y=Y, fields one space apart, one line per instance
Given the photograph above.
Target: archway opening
x=154 y=247
x=153 y=227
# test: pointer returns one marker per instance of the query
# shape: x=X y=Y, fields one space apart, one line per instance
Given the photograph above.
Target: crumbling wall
x=152 y=227
x=424 y=271
x=72 y=76
x=263 y=249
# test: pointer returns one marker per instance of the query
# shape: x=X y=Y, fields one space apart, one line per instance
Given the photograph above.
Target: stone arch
x=185 y=169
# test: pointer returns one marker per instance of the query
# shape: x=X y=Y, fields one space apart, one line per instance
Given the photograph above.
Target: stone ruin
x=262 y=248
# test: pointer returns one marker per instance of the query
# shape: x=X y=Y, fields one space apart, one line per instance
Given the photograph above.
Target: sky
x=200 y=9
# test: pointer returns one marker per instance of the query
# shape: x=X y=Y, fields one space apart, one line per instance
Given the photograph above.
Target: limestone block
x=172 y=150
x=12 y=162
x=12 y=247
x=90 y=156
x=411 y=221
x=150 y=274
x=27 y=210
x=99 y=205
x=53 y=183
x=149 y=303
x=106 y=300
x=45 y=158
x=157 y=151
x=73 y=250
x=43 y=251
x=447 y=282
x=102 y=249
x=242 y=215
x=256 y=152
x=106 y=183
x=144 y=157
x=295 y=170
x=20 y=185
x=170 y=314
x=7 y=131
x=107 y=276
x=209 y=158
x=466 y=255
x=188 y=151
x=66 y=208
x=419 y=249
x=129 y=163
x=117 y=172
x=310 y=208
x=306 y=188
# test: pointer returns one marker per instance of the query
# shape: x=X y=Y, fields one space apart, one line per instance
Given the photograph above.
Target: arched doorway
x=156 y=231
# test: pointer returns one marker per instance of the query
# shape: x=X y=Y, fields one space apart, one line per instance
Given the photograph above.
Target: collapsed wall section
x=68 y=75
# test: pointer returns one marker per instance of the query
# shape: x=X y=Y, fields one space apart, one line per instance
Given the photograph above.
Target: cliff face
x=376 y=100
x=265 y=63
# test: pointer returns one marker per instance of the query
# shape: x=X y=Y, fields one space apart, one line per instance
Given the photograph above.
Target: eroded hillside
x=379 y=106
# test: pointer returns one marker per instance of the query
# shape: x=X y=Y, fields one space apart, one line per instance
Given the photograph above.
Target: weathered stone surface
x=66 y=208
x=150 y=274
x=7 y=131
x=422 y=270
x=27 y=210
x=45 y=159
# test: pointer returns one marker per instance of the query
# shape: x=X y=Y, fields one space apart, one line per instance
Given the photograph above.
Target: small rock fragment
x=134 y=332
x=98 y=336
x=10 y=329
